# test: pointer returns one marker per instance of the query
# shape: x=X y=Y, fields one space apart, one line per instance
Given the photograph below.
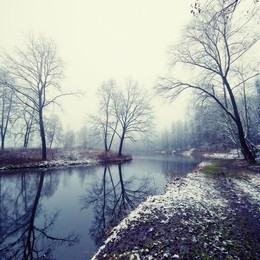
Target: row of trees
x=206 y=126
x=30 y=83
x=19 y=125
x=125 y=112
x=217 y=49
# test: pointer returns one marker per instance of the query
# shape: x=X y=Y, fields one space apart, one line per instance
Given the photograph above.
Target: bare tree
x=6 y=107
x=26 y=124
x=29 y=126
x=69 y=139
x=212 y=48
x=229 y=6
x=105 y=122
x=53 y=130
x=37 y=72
x=134 y=113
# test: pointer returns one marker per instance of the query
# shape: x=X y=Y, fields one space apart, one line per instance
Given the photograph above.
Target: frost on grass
x=198 y=217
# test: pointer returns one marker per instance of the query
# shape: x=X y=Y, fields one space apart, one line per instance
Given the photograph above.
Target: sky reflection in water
x=64 y=213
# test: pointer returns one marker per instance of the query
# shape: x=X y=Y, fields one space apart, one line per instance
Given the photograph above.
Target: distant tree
x=70 y=139
x=248 y=101
x=26 y=124
x=37 y=72
x=29 y=127
x=105 y=123
x=6 y=106
x=54 y=130
x=212 y=47
x=178 y=135
x=134 y=113
x=211 y=126
x=84 y=138
x=165 y=142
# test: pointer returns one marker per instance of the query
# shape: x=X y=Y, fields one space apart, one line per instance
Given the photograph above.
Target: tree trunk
x=26 y=139
x=2 y=143
x=112 y=137
x=249 y=157
x=105 y=142
x=43 y=138
x=121 y=143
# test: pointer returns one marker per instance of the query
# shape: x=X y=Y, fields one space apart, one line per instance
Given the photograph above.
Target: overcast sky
x=100 y=40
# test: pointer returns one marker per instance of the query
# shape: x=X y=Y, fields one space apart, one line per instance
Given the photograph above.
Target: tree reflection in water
x=21 y=237
x=113 y=198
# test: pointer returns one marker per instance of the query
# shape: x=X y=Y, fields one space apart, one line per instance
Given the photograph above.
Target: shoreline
x=28 y=159
x=213 y=213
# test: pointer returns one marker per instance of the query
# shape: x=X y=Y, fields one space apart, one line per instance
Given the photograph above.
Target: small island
x=17 y=159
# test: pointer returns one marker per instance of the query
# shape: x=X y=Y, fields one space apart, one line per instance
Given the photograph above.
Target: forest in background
x=219 y=69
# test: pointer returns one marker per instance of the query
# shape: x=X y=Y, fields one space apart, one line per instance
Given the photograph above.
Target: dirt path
x=202 y=216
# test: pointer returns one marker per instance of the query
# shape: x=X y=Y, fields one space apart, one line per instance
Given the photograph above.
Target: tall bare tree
x=134 y=113
x=37 y=72
x=212 y=48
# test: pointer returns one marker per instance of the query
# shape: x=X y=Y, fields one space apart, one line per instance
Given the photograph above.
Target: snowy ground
x=15 y=159
x=199 y=217
x=233 y=154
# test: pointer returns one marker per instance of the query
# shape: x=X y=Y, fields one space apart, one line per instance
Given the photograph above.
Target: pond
x=66 y=213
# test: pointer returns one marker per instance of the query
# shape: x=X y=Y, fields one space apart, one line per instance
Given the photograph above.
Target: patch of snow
x=250 y=187
x=188 y=153
x=192 y=191
x=233 y=154
x=47 y=164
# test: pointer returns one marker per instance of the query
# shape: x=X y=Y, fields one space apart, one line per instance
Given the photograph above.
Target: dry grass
x=33 y=155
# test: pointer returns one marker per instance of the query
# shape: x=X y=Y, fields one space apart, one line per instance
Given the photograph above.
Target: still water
x=65 y=213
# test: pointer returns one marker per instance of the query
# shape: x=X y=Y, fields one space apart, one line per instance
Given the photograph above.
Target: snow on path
x=212 y=198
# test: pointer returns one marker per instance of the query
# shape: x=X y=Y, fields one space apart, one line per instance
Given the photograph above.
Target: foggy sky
x=99 y=40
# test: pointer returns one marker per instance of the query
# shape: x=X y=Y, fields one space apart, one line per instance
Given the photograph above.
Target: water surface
x=65 y=213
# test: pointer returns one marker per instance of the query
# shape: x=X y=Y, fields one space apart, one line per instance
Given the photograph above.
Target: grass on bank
x=227 y=168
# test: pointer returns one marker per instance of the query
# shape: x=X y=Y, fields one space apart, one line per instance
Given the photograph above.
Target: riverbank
x=213 y=213
x=15 y=159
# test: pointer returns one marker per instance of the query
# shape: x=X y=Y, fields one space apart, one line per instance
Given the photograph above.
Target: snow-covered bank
x=48 y=164
x=197 y=217
x=30 y=158
x=233 y=154
x=212 y=154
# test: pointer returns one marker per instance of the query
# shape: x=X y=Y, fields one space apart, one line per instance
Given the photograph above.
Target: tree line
x=214 y=61
x=31 y=79
x=207 y=127
x=125 y=113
